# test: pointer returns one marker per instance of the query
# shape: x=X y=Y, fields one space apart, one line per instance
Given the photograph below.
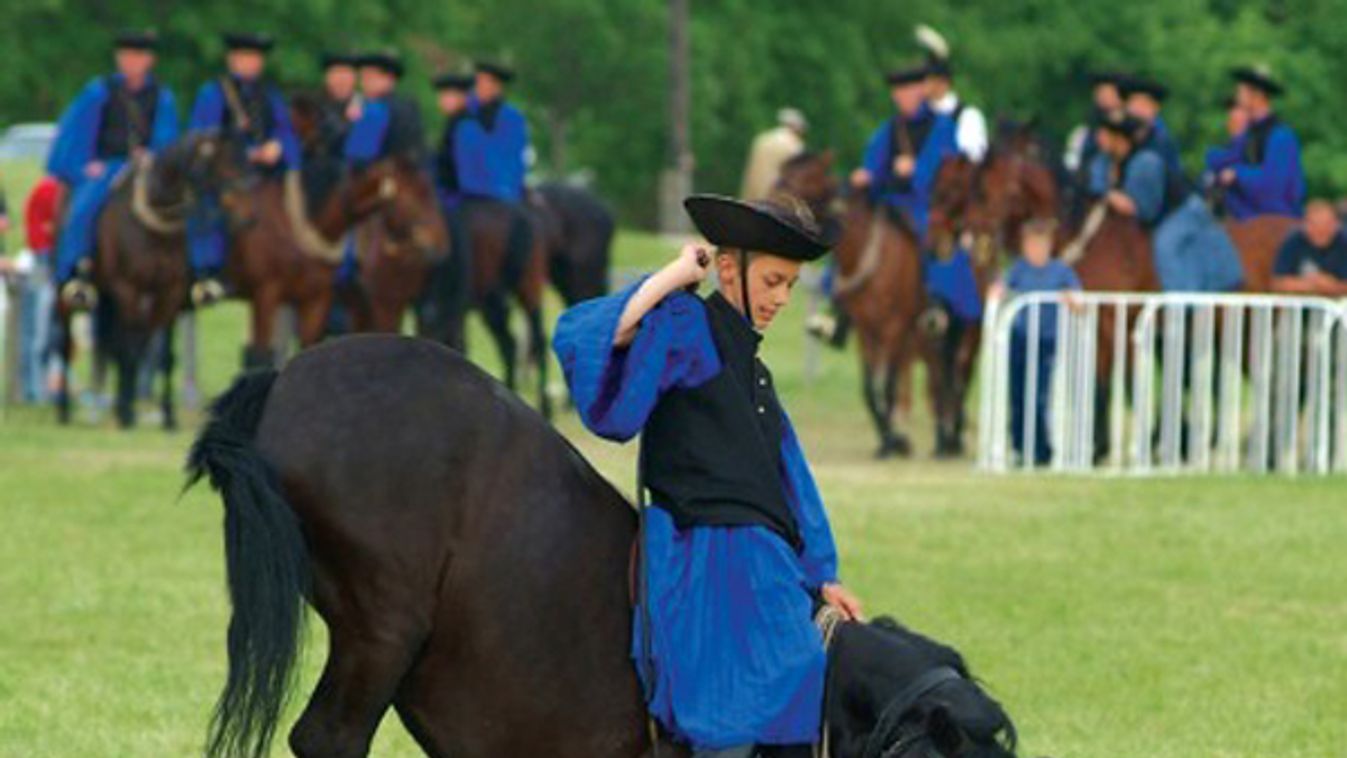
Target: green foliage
x=593 y=72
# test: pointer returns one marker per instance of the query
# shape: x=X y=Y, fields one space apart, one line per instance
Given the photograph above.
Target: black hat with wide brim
x=453 y=81
x=136 y=39
x=1123 y=124
x=384 y=60
x=1258 y=77
x=331 y=60
x=907 y=74
x=766 y=226
x=255 y=41
x=500 y=70
x=1142 y=85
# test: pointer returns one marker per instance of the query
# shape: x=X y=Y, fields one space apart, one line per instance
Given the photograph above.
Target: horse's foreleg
x=538 y=354
x=128 y=355
x=496 y=313
x=311 y=320
x=895 y=440
x=66 y=346
x=258 y=352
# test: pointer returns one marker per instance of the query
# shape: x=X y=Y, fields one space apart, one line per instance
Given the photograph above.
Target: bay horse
x=878 y=286
x=279 y=256
x=140 y=266
x=396 y=250
x=486 y=602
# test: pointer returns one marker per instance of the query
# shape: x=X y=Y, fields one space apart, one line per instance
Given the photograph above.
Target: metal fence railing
x=1164 y=383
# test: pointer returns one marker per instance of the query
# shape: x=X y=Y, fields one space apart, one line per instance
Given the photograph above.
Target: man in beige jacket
x=770 y=150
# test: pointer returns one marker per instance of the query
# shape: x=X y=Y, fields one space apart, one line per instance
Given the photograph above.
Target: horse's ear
x=827 y=157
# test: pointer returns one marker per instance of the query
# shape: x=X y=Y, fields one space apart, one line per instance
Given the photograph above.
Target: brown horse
x=140 y=265
x=878 y=286
x=278 y=256
x=472 y=571
x=396 y=250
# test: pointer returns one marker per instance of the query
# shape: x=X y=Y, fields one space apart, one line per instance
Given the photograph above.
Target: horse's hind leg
x=355 y=690
x=167 y=362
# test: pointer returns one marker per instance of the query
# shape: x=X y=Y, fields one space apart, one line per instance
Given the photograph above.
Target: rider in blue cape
x=389 y=126
x=1143 y=98
x=243 y=106
x=737 y=545
x=897 y=173
x=114 y=119
x=1192 y=252
x=1261 y=171
x=904 y=154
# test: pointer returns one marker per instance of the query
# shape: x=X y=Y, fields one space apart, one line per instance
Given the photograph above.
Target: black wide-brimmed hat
x=329 y=60
x=1124 y=124
x=780 y=225
x=907 y=74
x=136 y=39
x=384 y=60
x=453 y=81
x=257 y=41
x=500 y=70
x=1258 y=76
x=1137 y=84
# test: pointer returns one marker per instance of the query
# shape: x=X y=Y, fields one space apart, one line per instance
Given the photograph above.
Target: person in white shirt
x=970 y=126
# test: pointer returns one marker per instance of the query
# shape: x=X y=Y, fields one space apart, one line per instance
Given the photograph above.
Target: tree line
x=593 y=73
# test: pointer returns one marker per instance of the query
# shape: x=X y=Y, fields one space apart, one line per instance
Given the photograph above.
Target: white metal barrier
x=1165 y=383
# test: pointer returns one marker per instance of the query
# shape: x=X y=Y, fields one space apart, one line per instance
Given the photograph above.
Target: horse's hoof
x=898 y=445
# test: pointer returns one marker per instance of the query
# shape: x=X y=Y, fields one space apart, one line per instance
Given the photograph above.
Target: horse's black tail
x=268 y=572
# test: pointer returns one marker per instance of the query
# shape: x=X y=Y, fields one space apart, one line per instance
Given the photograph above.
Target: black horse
x=578 y=234
x=472 y=570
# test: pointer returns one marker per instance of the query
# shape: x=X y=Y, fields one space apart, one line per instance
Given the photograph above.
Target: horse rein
x=898 y=707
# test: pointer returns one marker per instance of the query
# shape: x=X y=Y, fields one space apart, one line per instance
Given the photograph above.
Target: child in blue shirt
x=1034 y=271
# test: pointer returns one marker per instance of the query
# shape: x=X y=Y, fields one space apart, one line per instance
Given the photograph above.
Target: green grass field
x=1113 y=617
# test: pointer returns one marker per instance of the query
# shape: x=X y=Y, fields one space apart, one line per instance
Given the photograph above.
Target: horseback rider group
x=130 y=115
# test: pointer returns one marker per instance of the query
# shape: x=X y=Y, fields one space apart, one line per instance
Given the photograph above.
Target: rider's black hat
x=908 y=74
x=498 y=69
x=1136 y=84
x=453 y=81
x=1122 y=123
x=780 y=225
x=136 y=39
x=385 y=60
x=1259 y=77
x=258 y=41
x=329 y=60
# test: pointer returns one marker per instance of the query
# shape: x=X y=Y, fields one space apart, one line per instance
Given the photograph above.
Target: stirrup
x=79 y=295
x=934 y=321
x=821 y=326
x=207 y=291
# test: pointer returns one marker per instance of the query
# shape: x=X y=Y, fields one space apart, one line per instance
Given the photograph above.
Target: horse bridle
x=889 y=720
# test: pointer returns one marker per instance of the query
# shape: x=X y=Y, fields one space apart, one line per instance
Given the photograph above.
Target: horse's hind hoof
x=896 y=445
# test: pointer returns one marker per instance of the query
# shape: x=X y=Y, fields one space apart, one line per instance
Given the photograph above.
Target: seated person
x=1313 y=259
